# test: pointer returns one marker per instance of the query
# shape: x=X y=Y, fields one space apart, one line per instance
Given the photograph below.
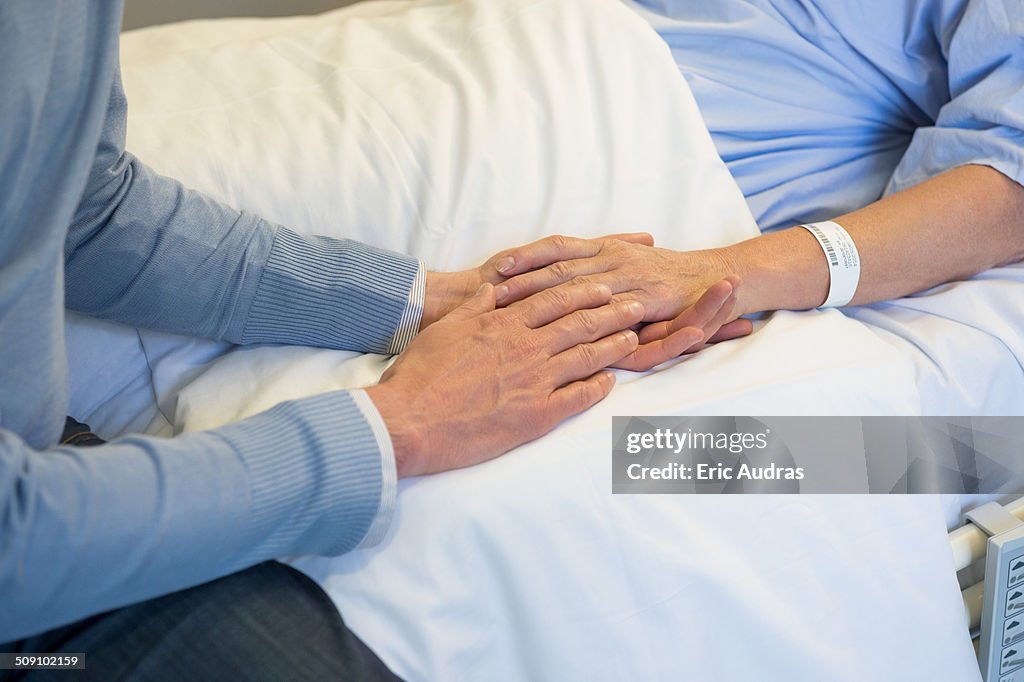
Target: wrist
x=405 y=437
x=783 y=270
x=445 y=291
x=433 y=299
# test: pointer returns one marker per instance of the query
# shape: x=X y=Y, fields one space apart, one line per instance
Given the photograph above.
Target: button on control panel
x=1002 y=620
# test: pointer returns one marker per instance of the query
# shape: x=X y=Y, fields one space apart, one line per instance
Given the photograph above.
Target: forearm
x=948 y=228
x=87 y=530
x=146 y=251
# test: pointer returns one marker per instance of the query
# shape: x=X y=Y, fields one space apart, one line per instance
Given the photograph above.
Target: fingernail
x=608 y=376
x=481 y=289
x=500 y=292
x=505 y=264
x=631 y=337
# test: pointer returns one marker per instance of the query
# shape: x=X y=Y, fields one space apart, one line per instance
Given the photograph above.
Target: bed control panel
x=1002 y=616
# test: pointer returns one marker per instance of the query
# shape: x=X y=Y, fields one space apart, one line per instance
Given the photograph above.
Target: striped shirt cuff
x=409 y=325
x=315 y=475
x=335 y=293
x=388 y=474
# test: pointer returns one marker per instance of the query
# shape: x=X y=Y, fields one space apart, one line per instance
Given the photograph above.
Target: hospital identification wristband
x=843 y=262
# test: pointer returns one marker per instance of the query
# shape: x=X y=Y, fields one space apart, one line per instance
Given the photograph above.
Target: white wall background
x=138 y=13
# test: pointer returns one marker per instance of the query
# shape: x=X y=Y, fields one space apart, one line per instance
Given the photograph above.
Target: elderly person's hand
x=665 y=281
x=633 y=270
x=948 y=228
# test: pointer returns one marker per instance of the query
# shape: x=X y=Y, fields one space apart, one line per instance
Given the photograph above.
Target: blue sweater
x=85 y=225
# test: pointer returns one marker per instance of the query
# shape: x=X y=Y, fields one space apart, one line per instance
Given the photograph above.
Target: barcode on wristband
x=823 y=239
x=843 y=261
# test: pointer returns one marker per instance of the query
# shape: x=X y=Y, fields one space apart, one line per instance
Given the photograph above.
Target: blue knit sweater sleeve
x=85 y=530
x=146 y=251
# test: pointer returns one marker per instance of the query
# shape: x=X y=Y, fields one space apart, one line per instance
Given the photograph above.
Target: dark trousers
x=269 y=622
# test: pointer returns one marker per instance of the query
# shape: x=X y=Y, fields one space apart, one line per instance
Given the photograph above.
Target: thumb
x=482 y=302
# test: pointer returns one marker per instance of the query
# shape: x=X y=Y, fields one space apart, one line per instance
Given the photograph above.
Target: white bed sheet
x=527 y=567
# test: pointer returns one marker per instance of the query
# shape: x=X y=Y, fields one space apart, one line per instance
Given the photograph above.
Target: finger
x=727 y=332
x=654 y=331
x=733 y=330
x=560 y=272
x=481 y=302
x=702 y=314
x=578 y=396
x=584 y=359
x=707 y=307
x=724 y=313
x=591 y=324
x=650 y=355
x=553 y=304
x=544 y=252
x=644 y=238
x=549 y=250
x=721 y=319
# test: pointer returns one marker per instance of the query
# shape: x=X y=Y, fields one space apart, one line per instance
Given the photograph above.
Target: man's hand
x=482 y=380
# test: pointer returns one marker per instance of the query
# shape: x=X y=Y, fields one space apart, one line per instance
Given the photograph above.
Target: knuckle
x=599 y=291
x=587 y=322
x=585 y=394
x=626 y=314
x=583 y=280
x=588 y=355
x=562 y=270
x=559 y=298
x=560 y=241
x=627 y=339
x=613 y=245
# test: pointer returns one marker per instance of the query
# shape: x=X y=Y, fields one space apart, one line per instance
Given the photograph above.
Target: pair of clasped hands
x=508 y=350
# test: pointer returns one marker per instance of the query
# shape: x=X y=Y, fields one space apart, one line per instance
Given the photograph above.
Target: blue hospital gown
x=821 y=107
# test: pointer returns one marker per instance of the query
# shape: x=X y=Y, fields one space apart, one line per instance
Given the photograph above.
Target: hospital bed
x=450 y=130
x=991 y=545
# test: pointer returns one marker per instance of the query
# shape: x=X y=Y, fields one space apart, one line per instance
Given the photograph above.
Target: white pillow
x=446 y=130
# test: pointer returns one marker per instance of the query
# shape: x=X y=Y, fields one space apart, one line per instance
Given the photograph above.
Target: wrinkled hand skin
x=665 y=281
x=482 y=380
x=446 y=291
x=690 y=298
